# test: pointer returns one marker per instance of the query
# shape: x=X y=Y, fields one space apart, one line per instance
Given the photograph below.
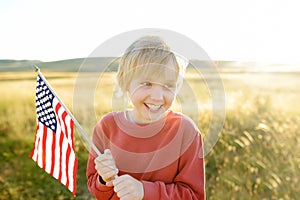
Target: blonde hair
x=145 y=51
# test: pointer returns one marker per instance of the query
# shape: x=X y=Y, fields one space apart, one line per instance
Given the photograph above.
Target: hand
x=105 y=166
x=128 y=188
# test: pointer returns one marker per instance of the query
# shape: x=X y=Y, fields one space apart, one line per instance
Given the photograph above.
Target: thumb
x=109 y=184
x=107 y=152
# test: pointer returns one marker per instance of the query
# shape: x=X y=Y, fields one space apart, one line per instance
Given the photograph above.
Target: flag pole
x=81 y=130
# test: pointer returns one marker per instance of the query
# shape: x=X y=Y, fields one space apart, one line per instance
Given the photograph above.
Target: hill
x=70 y=65
x=99 y=64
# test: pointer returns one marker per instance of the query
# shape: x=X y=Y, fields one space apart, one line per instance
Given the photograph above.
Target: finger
x=106 y=173
x=109 y=175
x=107 y=164
x=126 y=197
x=123 y=195
x=107 y=170
x=104 y=166
x=119 y=184
x=107 y=152
x=105 y=161
x=109 y=183
x=103 y=158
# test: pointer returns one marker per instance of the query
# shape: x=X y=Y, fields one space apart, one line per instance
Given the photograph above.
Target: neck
x=129 y=116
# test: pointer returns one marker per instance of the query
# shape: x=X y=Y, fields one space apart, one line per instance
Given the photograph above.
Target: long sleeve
x=99 y=190
x=188 y=184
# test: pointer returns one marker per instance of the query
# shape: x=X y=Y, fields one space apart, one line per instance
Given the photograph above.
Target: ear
x=128 y=94
x=118 y=92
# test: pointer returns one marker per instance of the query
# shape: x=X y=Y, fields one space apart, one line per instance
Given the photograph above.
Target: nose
x=157 y=93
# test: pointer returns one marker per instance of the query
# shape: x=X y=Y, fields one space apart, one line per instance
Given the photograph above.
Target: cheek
x=170 y=98
x=136 y=96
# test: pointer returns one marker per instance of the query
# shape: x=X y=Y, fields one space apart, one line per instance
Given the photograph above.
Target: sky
x=239 y=30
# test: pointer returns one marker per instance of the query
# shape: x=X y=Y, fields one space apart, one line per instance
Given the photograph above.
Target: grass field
x=257 y=155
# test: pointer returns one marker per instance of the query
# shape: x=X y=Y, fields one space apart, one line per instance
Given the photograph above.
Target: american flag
x=53 y=149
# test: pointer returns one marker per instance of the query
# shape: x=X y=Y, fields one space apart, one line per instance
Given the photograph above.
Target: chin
x=156 y=116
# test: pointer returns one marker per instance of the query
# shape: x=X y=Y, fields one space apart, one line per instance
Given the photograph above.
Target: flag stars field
x=44 y=109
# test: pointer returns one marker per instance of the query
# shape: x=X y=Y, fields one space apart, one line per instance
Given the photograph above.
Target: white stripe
x=49 y=150
x=60 y=112
x=68 y=123
x=40 y=147
x=37 y=136
x=71 y=170
x=57 y=156
x=57 y=146
x=63 y=165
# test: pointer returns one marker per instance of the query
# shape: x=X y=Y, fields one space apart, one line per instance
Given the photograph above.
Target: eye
x=146 y=84
x=170 y=86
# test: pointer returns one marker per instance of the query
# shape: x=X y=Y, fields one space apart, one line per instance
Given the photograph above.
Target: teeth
x=153 y=107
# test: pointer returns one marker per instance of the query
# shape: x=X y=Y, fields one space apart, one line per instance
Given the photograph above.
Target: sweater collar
x=140 y=130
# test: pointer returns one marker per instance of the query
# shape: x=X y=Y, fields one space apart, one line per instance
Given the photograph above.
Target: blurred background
x=254 y=45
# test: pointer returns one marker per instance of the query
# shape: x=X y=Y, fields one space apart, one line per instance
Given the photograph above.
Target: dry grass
x=256 y=156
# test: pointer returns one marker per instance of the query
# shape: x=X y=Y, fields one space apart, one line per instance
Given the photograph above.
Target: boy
x=150 y=152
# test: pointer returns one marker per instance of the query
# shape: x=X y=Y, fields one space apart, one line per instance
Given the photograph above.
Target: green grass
x=256 y=156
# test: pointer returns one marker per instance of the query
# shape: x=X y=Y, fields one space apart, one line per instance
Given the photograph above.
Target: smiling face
x=152 y=92
x=148 y=72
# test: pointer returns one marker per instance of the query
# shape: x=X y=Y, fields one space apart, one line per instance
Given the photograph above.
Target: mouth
x=153 y=108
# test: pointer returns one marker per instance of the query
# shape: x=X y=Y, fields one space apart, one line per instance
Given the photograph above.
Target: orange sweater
x=166 y=156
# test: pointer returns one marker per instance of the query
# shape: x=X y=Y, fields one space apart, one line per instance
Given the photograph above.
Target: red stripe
x=65 y=126
x=72 y=133
x=37 y=154
x=53 y=153
x=57 y=107
x=61 y=139
x=67 y=164
x=35 y=141
x=74 y=175
x=44 y=147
